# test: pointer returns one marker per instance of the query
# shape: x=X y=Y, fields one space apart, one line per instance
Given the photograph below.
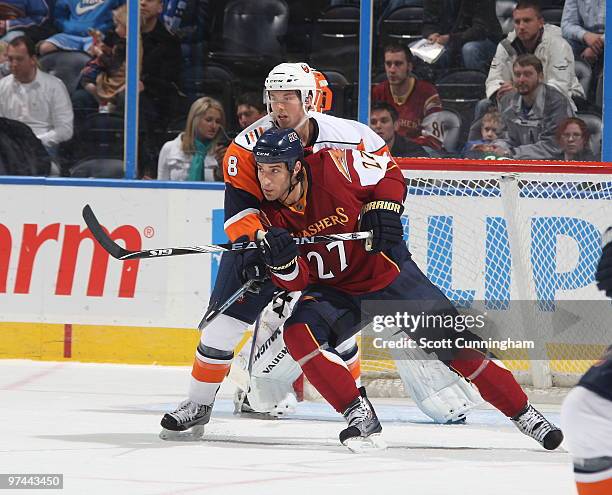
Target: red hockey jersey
x=338 y=183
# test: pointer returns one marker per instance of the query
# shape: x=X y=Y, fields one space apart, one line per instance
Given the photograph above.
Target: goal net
x=518 y=242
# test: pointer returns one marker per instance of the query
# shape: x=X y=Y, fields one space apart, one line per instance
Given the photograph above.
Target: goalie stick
x=116 y=251
x=242 y=378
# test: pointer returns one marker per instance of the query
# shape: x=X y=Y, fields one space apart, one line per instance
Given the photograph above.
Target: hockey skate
x=364 y=429
x=186 y=423
x=532 y=423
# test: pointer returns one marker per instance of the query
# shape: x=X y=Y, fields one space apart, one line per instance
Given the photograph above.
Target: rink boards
x=62 y=298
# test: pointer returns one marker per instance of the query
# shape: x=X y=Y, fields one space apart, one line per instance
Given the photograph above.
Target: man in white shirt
x=37 y=99
x=533 y=35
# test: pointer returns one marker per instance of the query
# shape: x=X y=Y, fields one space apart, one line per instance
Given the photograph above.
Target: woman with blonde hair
x=191 y=155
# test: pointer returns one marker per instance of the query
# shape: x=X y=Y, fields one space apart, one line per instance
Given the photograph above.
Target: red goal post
x=505 y=165
x=486 y=231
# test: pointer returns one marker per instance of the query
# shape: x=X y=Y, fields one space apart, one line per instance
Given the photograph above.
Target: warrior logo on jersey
x=305 y=68
x=253 y=136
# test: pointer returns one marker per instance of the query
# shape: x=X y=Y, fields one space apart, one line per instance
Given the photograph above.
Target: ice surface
x=98 y=425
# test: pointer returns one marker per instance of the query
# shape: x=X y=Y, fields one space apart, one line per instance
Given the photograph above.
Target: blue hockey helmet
x=279 y=145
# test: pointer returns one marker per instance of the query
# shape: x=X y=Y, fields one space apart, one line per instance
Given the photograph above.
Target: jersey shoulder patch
x=370 y=168
x=249 y=136
x=339 y=159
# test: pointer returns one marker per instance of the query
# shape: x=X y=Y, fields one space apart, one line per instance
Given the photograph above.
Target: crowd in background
x=524 y=82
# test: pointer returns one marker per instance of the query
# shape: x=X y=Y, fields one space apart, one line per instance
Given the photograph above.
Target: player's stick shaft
x=116 y=251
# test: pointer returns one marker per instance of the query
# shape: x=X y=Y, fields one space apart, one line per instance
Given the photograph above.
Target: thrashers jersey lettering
x=239 y=171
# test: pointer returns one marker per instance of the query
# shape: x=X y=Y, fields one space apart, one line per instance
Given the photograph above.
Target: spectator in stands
x=161 y=63
x=583 y=25
x=532 y=35
x=383 y=121
x=104 y=77
x=490 y=132
x=191 y=156
x=532 y=114
x=416 y=101
x=5 y=70
x=35 y=21
x=470 y=32
x=75 y=20
x=189 y=21
x=249 y=109
x=35 y=98
x=21 y=152
x=185 y=19
x=160 y=97
x=573 y=138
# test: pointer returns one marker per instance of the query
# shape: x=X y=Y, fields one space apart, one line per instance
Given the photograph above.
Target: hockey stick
x=116 y=251
x=241 y=378
x=211 y=315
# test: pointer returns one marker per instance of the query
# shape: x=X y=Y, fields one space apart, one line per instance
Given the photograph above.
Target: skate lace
x=187 y=411
x=359 y=413
x=533 y=423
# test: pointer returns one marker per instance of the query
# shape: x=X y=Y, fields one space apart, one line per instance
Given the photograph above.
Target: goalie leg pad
x=270 y=389
x=495 y=383
x=438 y=392
x=272 y=376
x=325 y=370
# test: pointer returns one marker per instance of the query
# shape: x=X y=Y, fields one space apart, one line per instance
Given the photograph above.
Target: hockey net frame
x=522 y=192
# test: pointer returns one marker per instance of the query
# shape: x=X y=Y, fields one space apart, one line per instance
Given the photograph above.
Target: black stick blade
x=114 y=249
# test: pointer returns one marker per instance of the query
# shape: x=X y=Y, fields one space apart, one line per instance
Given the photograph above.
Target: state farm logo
x=33 y=236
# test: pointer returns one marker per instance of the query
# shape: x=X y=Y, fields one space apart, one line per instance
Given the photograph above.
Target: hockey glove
x=250 y=266
x=603 y=275
x=280 y=252
x=383 y=218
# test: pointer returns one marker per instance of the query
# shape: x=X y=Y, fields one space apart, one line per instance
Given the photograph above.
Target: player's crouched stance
x=341 y=191
x=586 y=414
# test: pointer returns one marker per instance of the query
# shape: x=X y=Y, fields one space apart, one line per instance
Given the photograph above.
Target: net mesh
x=489 y=239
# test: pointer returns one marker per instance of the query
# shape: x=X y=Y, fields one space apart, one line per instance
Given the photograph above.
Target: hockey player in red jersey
x=293 y=93
x=340 y=191
x=586 y=414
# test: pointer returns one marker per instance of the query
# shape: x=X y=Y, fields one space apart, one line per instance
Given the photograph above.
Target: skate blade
x=194 y=434
x=361 y=445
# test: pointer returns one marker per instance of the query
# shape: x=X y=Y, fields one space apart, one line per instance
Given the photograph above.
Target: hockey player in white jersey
x=586 y=414
x=292 y=92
